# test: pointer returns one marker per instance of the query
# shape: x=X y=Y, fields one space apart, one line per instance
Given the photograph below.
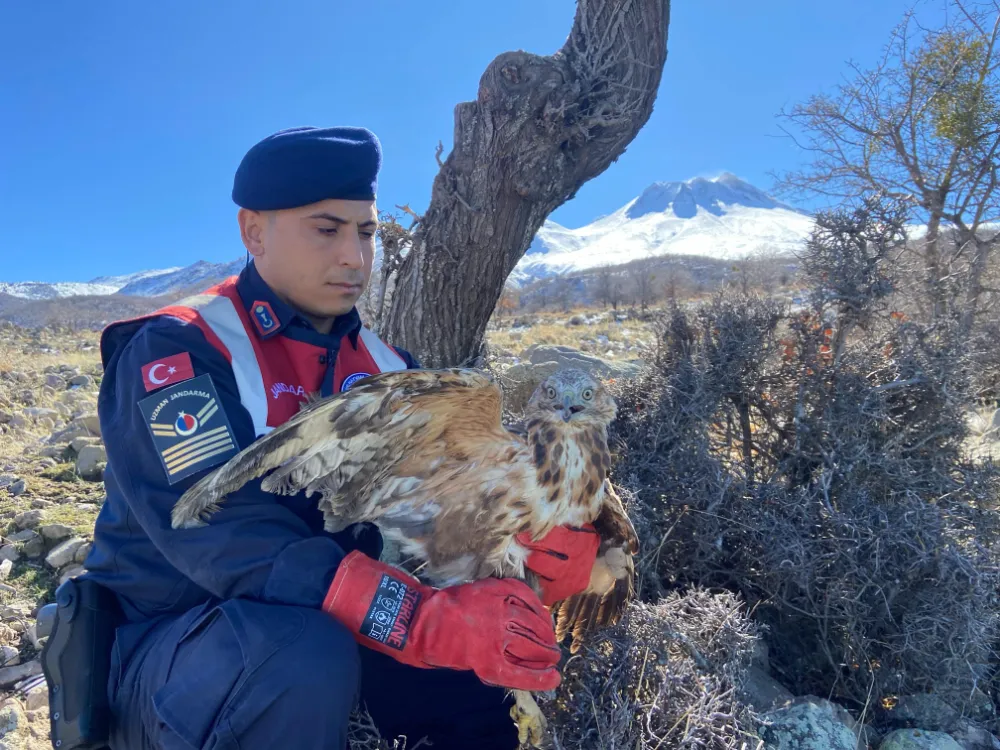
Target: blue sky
x=123 y=122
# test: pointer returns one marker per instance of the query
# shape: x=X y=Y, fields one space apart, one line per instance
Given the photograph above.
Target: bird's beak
x=567 y=410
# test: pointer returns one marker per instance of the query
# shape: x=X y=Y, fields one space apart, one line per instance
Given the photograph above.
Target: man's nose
x=351 y=253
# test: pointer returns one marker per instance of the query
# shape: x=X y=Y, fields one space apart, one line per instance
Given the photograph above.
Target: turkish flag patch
x=168 y=370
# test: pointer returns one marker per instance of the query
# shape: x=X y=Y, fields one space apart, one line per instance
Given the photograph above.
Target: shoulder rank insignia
x=190 y=429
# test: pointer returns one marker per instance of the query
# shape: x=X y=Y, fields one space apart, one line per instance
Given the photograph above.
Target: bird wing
x=345 y=442
x=583 y=613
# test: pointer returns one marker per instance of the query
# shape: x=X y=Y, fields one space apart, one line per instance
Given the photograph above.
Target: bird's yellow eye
x=588 y=394
x=550 y=392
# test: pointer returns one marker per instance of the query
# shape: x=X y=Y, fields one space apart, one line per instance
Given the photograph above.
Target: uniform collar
x=269 y=315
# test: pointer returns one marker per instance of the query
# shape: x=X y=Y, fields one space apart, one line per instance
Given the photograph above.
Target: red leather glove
x=562 y=560
x=495 y=627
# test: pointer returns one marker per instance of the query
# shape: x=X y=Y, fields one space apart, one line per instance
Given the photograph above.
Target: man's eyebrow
x=329 y=217
x=337 y=220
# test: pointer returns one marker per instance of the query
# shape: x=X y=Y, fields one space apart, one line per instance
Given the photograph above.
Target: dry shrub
x=666 y=676
x=831 y=490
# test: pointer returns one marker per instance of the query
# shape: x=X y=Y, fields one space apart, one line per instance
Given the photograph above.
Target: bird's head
x=573 y=396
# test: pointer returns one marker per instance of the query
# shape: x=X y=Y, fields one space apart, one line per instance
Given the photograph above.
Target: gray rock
x=41 y=503
x=54 y=381
x=82 y=552
x=37 y=412
x=12 y=718
x=9 y=552
x=79 y=443
x=6 y=566
x=36 y=698
x=31 y=544
x=81 y=381
x=9 y=656
x=28 y=520
x=71 y=572
x=18 y=421
x=918 y=739
x=12 y=675
x=5 y=417
x=18 y=488
x=52 y=451
x=55 y=532
x=6 y=480
x=808 y=723
x=90 y=463
x=91 y=422
x=763 y=692
x=971 y=736
x=64 y=553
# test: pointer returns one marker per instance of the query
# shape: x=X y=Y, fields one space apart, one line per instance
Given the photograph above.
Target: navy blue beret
x=299 y=166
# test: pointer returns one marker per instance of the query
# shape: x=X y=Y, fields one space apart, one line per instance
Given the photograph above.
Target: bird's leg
x=529 y=719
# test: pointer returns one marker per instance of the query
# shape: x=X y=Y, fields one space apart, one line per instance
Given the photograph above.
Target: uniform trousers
x=243 y=674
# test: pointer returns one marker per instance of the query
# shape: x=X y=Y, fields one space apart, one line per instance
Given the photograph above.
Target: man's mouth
x=344 y=287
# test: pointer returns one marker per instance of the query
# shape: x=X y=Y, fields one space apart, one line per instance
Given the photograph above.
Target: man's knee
x=323 y=660
x=253 y=672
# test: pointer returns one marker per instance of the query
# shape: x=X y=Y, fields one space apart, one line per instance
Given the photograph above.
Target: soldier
x=233 y=634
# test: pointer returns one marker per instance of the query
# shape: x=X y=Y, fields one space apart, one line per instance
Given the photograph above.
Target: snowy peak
x=723 y=218
x=716 y=196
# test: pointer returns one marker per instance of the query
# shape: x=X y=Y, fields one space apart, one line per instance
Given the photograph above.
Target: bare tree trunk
x=539 y=129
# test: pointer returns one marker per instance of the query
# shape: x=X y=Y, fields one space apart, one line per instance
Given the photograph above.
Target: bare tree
x=923 y=126
x=643 y=284
x=608 y=286
x=539 y=128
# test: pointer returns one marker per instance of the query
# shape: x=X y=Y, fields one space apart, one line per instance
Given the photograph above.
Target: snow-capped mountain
x=141 y=284
x=724 y=218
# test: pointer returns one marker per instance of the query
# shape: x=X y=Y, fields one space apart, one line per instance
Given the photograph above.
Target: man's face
x=319 y=257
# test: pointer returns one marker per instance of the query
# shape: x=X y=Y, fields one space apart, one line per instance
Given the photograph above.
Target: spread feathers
x=423 y=455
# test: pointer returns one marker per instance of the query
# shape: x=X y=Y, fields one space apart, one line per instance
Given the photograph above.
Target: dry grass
x=595 y=331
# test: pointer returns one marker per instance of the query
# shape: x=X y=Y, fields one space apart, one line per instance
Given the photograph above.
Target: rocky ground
x=51 y=468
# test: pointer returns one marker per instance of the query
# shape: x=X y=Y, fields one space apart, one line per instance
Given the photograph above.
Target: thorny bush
x=834 y=495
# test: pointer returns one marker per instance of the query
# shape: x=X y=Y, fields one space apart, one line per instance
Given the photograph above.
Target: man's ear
x=252 y=224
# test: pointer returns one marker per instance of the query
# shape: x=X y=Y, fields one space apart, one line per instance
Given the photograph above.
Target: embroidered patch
x=167 y=370
x=391 y=612
x=263 y=317
x=352 y=379
x=189 y=427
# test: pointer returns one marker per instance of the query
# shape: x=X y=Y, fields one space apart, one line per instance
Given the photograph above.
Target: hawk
x=423 y=455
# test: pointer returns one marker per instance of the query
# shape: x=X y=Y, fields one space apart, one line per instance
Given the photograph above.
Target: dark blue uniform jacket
x=259 y=546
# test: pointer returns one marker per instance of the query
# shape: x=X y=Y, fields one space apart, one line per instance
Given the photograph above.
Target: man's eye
x=328 y=230
x=367 y=235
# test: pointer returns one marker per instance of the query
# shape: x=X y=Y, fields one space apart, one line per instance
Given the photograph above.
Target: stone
x=5 y=417
x=9 y=656
x=84 y=381
x=18 y=421
x=971 y=736
x=91 y=422
x=918 y=739
x=71 y=572
x=12 y=675
x=6 y=566
x=64 y=553
x=9 y=552
x=37 y=412
x=925 y=710
x=28 y=520
x=82 y=552
x=12 y=718
x=18 y=487
x=808 y=723
x=36 y=698
x=41 y=503
x=79 y=443
x=31 y=543
x=55 y=532
x=763 y=692
x=6 y=480
x=90 y=463
x=54 y=381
